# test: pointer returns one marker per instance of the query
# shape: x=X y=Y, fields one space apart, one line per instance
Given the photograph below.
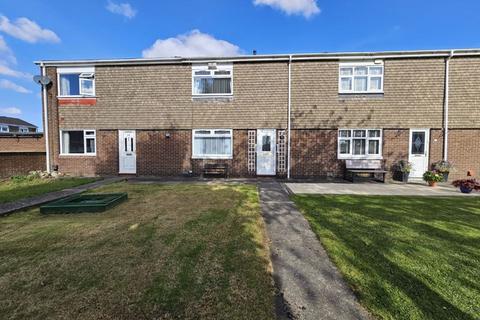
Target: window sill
x=360 y=158
x=78 y=155
x=211 y=158
x=208 y=98
x=76 y=97
x=367 y=95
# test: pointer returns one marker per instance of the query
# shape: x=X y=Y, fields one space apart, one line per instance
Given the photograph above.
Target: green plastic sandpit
x=85 y=203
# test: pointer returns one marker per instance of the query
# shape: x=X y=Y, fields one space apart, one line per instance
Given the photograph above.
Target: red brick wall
x=22 y=143
x=104 y=163
x=464 y=152
x=314 y=154
x=19 y=163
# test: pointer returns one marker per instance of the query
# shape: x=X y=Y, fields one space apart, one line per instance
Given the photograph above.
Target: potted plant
x=467 y=185
x=432 y=178
x=401 y=170
x=443 y=167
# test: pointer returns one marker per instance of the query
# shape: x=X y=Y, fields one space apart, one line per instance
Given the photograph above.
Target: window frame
x=352 y=77
x=212 y=156
x=80 y=71
x=85 y=153
x=23 y=129
x=367 y=155
x=4 y=126
x=217 y=67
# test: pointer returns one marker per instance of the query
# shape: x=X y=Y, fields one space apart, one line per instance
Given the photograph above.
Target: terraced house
x=299 y=115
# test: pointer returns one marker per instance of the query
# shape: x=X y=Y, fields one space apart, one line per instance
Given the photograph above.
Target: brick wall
x=22 y=143
x=19 y=163
x=314 y=154
x=464 y=152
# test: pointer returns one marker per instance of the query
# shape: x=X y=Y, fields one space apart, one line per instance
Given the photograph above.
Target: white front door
x=127 y=151
x=418 y=151
x=266 y=152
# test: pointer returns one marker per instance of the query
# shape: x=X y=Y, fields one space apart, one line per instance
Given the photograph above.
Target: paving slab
x=10 y=207
x=309 y=285
x=375 y=188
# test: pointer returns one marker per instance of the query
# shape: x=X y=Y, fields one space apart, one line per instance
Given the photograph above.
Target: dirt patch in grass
x=405 y=257
x=169 y=252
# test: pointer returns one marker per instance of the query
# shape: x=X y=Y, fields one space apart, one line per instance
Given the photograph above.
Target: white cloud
x=307 y=8
x=124 y=9
x=11 y=111
x=9 y=85
x=192 y=44
x=27 y=30
x=7 y=71
x=6 y=52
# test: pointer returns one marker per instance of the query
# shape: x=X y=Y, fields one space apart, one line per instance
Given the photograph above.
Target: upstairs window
x=23 y=130
x=361 y=78
x=78 y=142
x=212 y=79
x=359 y=143
x=4 y=129
x=212 y=144
x=76 y=82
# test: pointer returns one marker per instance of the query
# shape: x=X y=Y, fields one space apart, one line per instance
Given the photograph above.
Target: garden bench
x=374 y=168
x=217 y=169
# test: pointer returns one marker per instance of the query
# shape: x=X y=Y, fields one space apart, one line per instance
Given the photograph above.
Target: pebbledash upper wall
x=137 y=95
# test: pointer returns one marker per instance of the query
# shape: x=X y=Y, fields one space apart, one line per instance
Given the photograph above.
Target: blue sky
x=59 y=29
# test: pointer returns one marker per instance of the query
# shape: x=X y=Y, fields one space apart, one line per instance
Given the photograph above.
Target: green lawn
x=185 y=251
x=11 y=190
x=405 y=257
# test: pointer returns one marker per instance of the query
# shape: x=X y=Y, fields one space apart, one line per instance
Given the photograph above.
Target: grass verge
x=405 y=257
x=11 y=190
x=169 y=252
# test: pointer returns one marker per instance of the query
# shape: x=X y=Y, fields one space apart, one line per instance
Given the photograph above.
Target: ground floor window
x=359 y=143
x=78 y=142
x=212 y=144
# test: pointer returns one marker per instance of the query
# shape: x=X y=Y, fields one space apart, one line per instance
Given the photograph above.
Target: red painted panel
x=77 y=101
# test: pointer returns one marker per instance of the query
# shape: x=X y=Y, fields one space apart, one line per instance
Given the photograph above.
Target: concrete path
x=9 y=207
x=375 y=188
x=309 y=286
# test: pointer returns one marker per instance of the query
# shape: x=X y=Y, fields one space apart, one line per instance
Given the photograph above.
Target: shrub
x=403 y=166
x=432 y=176
x=471 y=184
x=442 y=166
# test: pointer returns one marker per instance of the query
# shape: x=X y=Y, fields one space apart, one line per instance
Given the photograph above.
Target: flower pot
x=445 y=176
x=401 y=176
x=432 y=183
x=465 y=189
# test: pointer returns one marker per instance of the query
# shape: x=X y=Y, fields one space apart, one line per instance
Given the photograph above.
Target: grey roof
x=16 y=122
x=269 y=57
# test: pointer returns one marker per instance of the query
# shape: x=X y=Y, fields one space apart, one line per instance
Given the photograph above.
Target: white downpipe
x=289 y=125
x=45 y=123
x=445 y=106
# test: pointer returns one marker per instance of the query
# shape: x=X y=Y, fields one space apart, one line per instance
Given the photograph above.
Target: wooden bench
x=216 y=169
x=359 y=166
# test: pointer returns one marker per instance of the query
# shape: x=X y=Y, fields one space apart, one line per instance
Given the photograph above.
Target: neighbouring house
x=10 y=125
x=299 y=115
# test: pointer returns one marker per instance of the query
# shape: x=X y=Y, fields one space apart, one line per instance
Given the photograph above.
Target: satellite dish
x=43 y=80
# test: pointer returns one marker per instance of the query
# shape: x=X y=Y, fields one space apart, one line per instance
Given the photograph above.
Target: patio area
x=375 y=188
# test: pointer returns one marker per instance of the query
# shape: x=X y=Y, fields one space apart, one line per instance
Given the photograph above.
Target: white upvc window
x=23 y=130
x=76 y=82
x=212 y=79
x=360 y=144
x=365 y=77
x=78 y=142
x=212 y=144
x=4 y=128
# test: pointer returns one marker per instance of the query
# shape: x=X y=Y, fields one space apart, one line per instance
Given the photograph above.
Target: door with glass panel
x=127 y=151
x=418 y=151
x=266 y=152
